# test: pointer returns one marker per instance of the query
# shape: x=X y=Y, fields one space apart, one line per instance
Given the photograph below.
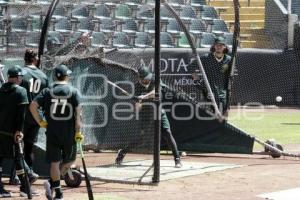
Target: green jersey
x=11 y=97
x=59 y=103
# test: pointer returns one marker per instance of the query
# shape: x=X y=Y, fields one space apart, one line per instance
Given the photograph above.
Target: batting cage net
x=109 y=46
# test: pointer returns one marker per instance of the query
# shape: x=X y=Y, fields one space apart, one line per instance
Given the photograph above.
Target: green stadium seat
x=99 y=39
x=80 y=12
x=219 y=27
x=102 y=12
x=129 y=26
x=228 y=37
x=150 y=26
x=142 y=40
x=107 y=25
x=19 y=25
x=60 y=12
x=173 y=27
x=33 y=39
x=121 y=40
x=85 y=25
x=209 y=13
x=187 y=13
x=166 y=40
x=63 y=25
x=197 y=26
x=123 y=12
x=207 y=40
x=183 y=41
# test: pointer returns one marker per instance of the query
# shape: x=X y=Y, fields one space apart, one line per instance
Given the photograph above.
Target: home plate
x=140 y=170
x=291 y=194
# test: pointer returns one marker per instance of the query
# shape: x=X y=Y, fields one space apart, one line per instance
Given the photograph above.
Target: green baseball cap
x=145 y=74
x=15 y=71
x=62 y=70
x=220 y=40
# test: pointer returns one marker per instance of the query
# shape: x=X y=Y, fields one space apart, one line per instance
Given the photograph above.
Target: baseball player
x=34 y=81
x=145 y=90
x=216 y=65
x=61 y=104
x=13 y=101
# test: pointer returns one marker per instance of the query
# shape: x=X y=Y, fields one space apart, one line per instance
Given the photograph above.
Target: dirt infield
x=261 y=174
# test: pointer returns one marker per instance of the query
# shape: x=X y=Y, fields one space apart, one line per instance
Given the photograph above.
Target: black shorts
x=56 y=152
x=7 y=147
x=31 y=132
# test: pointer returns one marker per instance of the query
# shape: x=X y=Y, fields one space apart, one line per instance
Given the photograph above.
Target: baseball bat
x=87 y=180
x=123 y=91
x=27 y=184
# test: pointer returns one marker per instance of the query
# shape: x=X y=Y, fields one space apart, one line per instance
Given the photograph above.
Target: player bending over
x=61 y=104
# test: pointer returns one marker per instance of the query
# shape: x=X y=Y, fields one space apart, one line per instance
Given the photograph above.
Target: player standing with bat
x=61 y=104
x=145 y=90
x=13 y=103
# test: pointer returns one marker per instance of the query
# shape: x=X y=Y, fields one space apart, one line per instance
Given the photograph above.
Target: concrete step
x=227 y=17
x=253 y=30
x=248 y=23
x=243 y=3
x=244 y=10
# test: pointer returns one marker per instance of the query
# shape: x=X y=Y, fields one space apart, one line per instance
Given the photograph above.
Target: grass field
x=280 y=124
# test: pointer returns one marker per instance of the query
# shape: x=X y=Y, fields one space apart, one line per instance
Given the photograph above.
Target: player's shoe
x=4 y=193
x=48 y=190
x=32 y=176
x=14 y=181
x=23 y=192
x=178 y=163
x=58 y=196
x=120 y=157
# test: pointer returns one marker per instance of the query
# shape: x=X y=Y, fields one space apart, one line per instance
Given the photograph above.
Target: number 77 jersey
x=59 y=103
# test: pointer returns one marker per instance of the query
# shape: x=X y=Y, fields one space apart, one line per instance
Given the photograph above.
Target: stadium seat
x=107 y=25
x=183 y=41
x=14 y=40
x=63 y=25
x=207 y=40
x=59 y=12
x=80 y=12
x=120 y=40
x=36 y=23
x=145 y=12
x=165 y=14
x=102 y=12
x=19 y=25
x=187 y=13
x=228 y=39
x=74 y=36
x=166 y=40
x=150 y=26
x=16 y=11
x=85 y=25
x=56 y=34
x=219 y=27
x=43 y=2
x=197 y=26
x=142 y=40
x=173 y=27
x=99 y=39
x=176 y=3
x=123 y=12
x=209 y=13
x=33 y=39
x=150 y=2
x=129 y=26
x=198 y=3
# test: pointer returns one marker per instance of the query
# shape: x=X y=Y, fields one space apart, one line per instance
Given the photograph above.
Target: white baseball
x=278 y=98
x=183 y=154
